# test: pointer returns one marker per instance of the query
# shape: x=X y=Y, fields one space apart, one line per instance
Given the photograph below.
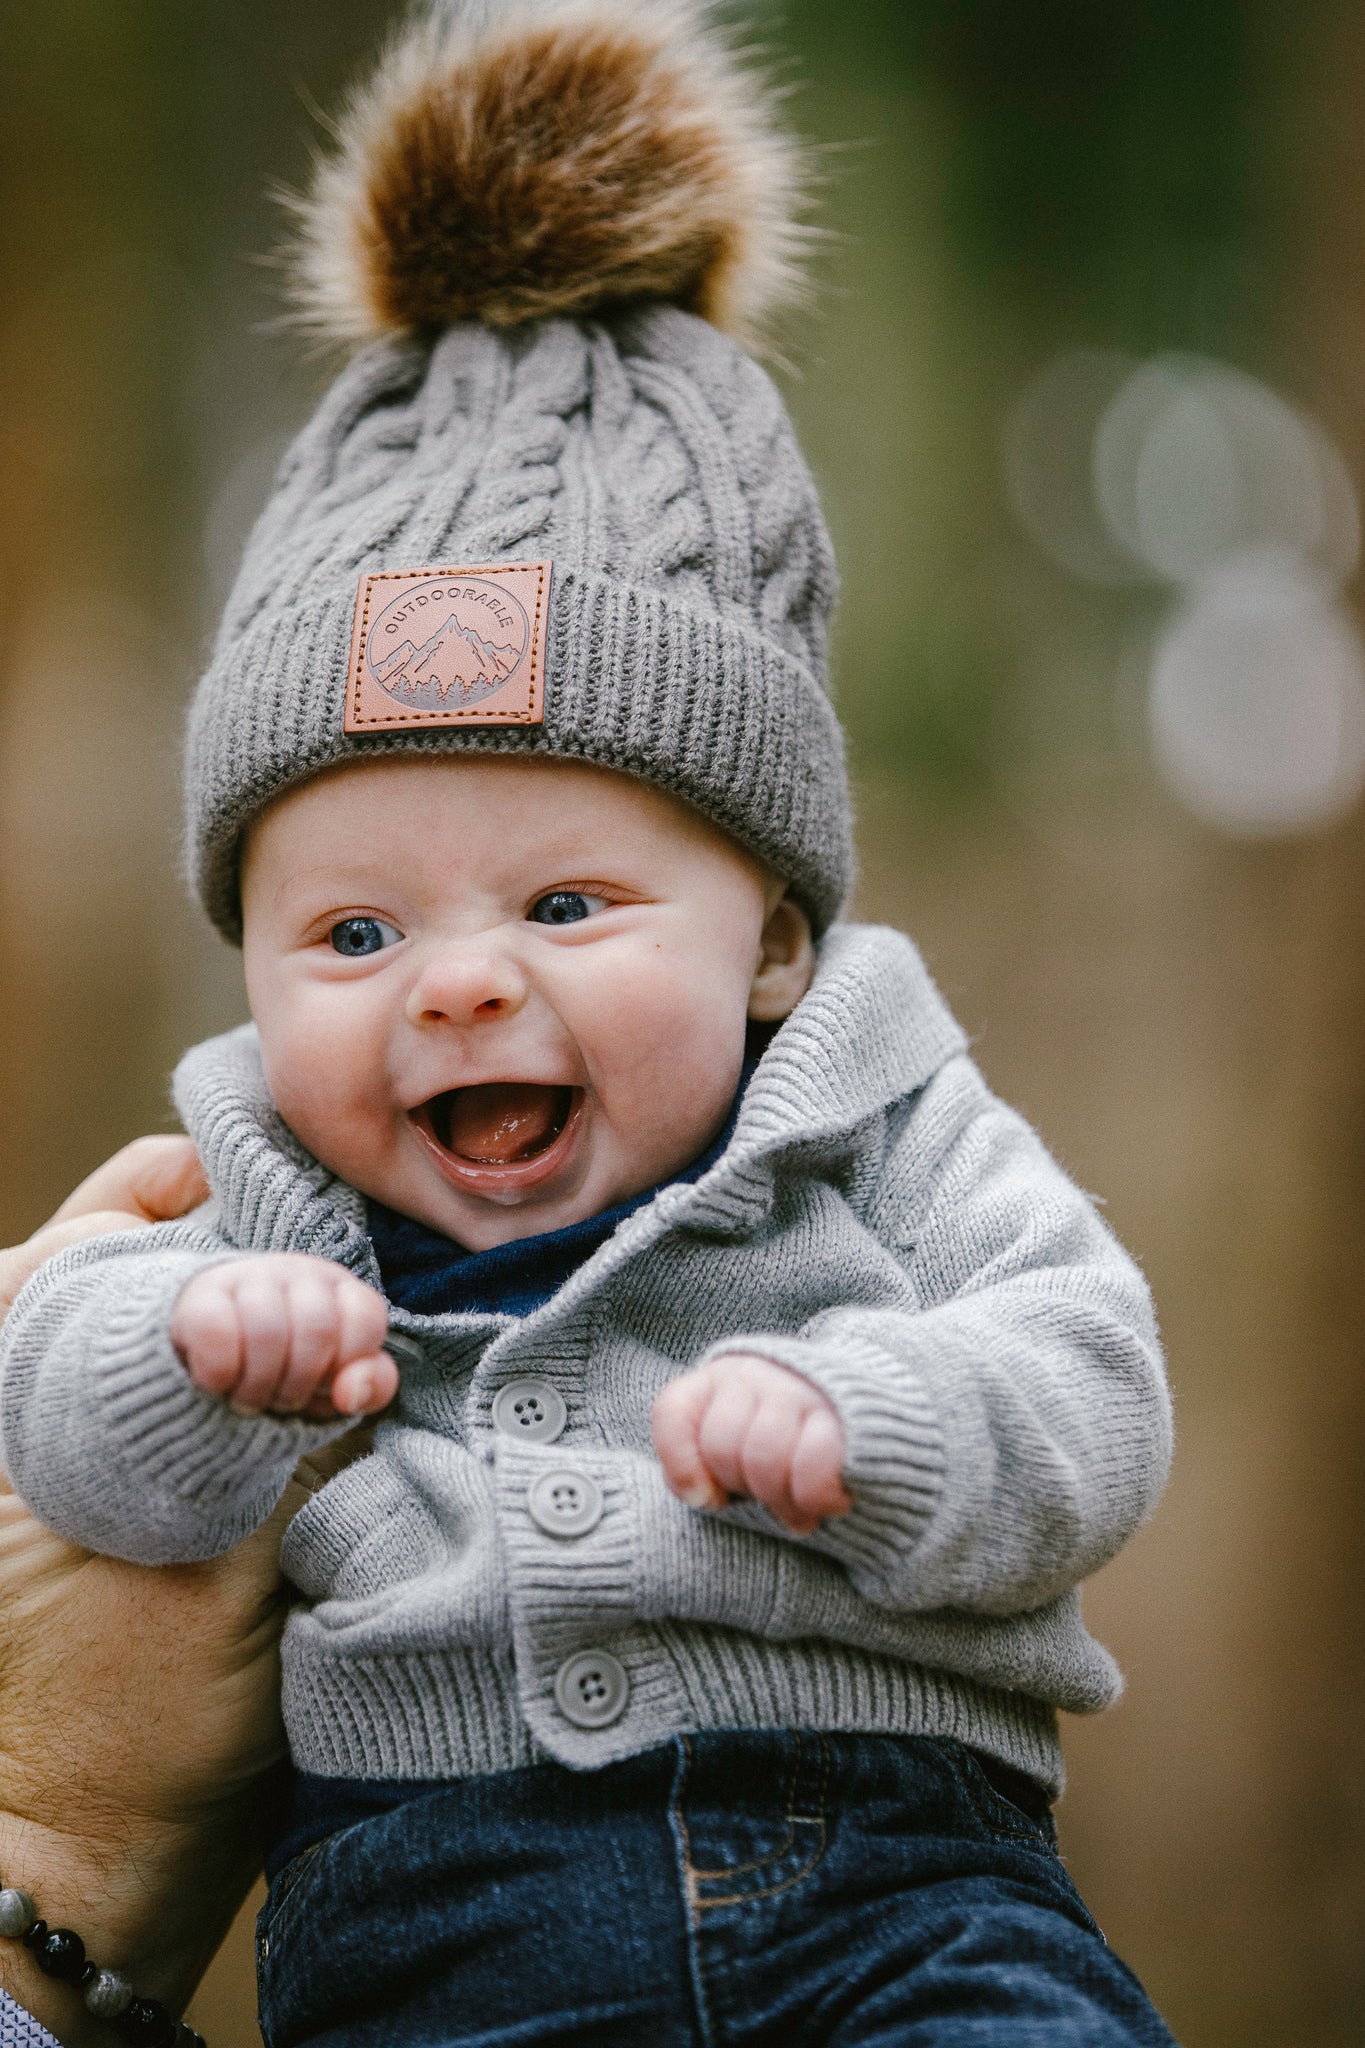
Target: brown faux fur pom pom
x=512 y=161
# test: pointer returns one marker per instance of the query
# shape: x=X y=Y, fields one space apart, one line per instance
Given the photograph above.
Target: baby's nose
x=469 y=982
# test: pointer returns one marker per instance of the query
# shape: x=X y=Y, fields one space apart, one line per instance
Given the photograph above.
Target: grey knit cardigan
x=878 y=1222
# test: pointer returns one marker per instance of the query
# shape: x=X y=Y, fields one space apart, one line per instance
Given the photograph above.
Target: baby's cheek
x=331 y=1087
x=670 y=1079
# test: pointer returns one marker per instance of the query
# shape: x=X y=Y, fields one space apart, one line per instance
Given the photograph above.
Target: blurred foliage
x=1026 y=174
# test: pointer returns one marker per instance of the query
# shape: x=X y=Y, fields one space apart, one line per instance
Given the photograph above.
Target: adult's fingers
x=18 y=1261
x=154 y=1179
x=149 y=1181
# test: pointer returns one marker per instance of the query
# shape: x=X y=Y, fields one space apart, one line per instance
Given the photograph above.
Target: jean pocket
x=1009 y=1803
x=767 y=1841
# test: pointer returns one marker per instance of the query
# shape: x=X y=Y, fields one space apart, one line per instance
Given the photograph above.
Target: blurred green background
x=1104 y=695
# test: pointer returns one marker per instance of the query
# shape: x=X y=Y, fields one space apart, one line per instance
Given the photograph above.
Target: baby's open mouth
x=500 y=1123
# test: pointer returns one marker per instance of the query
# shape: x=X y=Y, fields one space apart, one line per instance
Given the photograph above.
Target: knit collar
x=871 y=1029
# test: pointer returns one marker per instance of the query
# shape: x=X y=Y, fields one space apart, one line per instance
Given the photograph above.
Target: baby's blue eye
x=564 y=906
x=356 y=936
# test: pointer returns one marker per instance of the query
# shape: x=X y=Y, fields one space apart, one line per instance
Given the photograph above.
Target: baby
x=679 y=1661
x=538 y=1017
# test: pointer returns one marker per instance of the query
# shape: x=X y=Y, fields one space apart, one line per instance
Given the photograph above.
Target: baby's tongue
x=503 y=1121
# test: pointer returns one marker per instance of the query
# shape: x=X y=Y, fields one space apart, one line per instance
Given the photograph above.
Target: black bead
x=61 y=1953
x=185 y=2037
x=147 y=2023
x=35 y=1934
x=87 y=1976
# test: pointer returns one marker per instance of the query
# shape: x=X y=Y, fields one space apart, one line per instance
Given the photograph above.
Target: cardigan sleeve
x=102 y=1431
x=1008 y=1428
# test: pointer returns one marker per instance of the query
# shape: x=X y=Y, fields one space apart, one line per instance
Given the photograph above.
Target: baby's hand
x=288 y=1333
x=743 y=1425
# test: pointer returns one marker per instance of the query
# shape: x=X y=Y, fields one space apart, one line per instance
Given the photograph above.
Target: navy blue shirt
x=432 y=1275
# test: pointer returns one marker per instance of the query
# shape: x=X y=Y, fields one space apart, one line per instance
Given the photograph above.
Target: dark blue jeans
x=728 y=1890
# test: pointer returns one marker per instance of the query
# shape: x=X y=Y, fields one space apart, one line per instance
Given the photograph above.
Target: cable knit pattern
x=654 y=464
x=878 y=1222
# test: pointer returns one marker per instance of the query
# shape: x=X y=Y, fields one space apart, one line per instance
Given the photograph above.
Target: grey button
x=402 y=1349
x=530 y=1409
x=565 y=1502
x=591 y=1689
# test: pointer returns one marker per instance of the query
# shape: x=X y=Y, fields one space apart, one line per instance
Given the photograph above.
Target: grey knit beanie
x=551 y=506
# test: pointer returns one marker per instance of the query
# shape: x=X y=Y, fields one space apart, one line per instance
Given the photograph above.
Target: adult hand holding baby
x=739 y=1424
x=149 y=1181
x=139 y=1706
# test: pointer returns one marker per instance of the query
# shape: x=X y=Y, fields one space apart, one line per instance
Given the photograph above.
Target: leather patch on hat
x=448 y=647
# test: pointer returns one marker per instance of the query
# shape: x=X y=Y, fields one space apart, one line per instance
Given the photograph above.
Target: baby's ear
x=786 y=962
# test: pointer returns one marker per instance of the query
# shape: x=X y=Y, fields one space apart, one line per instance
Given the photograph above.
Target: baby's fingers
x=725 y=1425
x=676 y=1424
x=263 y=1317
x=366 y=1385
x=766 y=1459
x=335 y=1321
x=363 y=1318
x=205 y=1330
x=315 y=1325
x=816 y=1482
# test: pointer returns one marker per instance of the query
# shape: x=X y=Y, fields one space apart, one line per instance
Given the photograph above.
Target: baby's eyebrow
x=324 y=881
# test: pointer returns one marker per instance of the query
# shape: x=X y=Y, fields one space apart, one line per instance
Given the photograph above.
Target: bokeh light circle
x=1195 y=461
x=1257 y=700
x=1047 y=452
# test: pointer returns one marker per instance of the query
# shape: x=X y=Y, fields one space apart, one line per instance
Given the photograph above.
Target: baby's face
x=500 y=994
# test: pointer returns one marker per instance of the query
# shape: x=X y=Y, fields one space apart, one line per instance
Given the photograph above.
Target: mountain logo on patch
x=448 y=646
